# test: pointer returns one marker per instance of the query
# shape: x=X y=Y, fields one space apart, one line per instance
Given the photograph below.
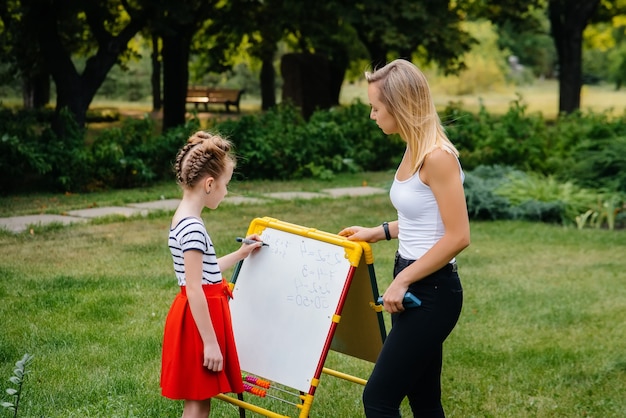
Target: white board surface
x=285 y=296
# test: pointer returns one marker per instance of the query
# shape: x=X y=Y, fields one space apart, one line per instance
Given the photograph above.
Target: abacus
x=260 y=387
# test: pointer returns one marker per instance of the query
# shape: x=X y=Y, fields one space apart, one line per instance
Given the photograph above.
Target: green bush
x=544 y=198
x=33 y=156
x=117 y=155
x=515 y=138
x=21 y=157
x=268 y=145
x=159 y=152
x=582 y=149
x=366 y=145
x=131 y=155
x=587 y=149
x=67 y=154
x=577 y=137
x=503 y=192
x=601 y=163
x=280 y=144
x=480 y=185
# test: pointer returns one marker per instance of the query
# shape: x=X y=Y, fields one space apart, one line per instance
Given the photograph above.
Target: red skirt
x=182 y=374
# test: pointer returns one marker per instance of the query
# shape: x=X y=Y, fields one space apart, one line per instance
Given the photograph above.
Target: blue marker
x=251 y=241
x=409 y=301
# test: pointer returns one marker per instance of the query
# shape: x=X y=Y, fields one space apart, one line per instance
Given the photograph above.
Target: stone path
x=18 y=224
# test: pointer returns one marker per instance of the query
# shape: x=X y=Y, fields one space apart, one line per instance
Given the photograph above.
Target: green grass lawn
x=541 y=334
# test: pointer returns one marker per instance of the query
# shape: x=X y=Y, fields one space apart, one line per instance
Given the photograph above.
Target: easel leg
x=242 y=411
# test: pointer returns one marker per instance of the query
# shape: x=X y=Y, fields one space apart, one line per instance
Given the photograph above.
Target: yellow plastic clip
x=376 y=307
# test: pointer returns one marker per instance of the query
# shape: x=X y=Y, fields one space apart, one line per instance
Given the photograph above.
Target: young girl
x=432 y=228
x=199 y=354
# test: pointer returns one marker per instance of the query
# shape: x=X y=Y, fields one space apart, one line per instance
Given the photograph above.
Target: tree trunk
x=306 y=82
x=76 y=91
x=36 y=90
x=268 y=83
x=155 y=79
x=378 y=56
x=176 y=45
x=71 y=92
x=568 y=20
x=337 y=68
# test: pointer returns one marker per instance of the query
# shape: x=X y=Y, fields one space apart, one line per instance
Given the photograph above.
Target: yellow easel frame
x=355 y=251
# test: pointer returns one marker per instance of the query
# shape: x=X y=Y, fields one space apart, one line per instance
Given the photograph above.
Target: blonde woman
x=432 y=228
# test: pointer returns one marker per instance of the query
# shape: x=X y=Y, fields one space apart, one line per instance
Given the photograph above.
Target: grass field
x=541 y=334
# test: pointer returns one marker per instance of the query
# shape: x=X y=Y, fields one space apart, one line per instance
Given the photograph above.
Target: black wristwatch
x=386 y=229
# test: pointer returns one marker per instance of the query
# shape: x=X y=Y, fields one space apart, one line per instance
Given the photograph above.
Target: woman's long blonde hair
x=405 y=93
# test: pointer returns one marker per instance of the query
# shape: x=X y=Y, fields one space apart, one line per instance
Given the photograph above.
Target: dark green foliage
x=502 y=192
x=514 y=139
x=577 y=150
x=368 y=147
x=269 y=145
x=32 y=157
x=601 y=163
x=160 y=151
x=69 y=157
x=482 y=202
x=131 y=155
x=21 y=157
x=587 y=149
x=280 y=144
x=118 y=152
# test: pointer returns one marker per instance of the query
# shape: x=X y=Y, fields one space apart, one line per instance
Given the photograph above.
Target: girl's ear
x=208 y=183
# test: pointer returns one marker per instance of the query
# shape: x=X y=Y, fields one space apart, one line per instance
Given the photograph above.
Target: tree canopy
x=43 y=38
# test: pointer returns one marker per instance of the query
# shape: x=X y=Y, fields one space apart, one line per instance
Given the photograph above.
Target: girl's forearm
x=201 y=316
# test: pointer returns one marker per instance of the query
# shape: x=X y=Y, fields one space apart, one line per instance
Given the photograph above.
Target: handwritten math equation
x=314 y=270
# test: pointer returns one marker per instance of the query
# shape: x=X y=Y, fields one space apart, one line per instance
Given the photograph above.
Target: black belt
x=406 y=262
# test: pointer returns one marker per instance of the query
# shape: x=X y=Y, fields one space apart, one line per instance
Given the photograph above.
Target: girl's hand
x=246 y=249
x=359 y=233
x=213 y=359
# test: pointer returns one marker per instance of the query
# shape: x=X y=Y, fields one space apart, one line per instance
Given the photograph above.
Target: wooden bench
x=210 y=95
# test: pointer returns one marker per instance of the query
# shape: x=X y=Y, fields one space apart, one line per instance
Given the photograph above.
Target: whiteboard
x=285 y=298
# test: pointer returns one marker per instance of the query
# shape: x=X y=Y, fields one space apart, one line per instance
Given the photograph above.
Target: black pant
x=410 y=361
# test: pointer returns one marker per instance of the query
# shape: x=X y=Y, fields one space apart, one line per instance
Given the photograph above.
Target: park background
x=542 y=332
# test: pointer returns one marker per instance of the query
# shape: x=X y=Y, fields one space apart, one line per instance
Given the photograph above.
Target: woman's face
x=385 y=121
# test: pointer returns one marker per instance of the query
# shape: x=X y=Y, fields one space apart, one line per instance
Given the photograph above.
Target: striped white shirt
x=190 y=234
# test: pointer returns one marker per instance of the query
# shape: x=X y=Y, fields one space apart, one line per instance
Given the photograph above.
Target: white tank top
x=419 y=220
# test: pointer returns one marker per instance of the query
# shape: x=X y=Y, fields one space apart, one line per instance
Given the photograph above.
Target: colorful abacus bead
x=258 y=381
x=255 y=391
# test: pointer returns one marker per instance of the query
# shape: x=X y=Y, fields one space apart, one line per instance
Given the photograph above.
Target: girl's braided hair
x=204 y=154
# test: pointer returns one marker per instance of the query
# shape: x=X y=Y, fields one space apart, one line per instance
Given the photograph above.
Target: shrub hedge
x=519 y=165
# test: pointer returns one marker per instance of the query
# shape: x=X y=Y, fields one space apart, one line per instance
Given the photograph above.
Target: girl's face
x=385 y=121
x=218 y=187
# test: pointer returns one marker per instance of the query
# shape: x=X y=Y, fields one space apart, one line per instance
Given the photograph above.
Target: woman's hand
x=394 y=296
x=359 y=233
